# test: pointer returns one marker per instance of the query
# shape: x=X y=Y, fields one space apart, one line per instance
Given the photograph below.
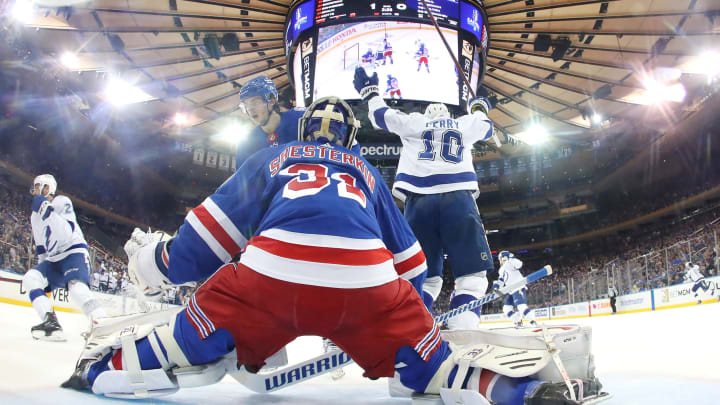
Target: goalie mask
x=329 y=120
x=436 y=110
x=45 y=180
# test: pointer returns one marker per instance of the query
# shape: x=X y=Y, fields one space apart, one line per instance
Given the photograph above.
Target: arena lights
x=233 y=133
x=707 y=63
x=69 y=60
x=657 y=92
x=534 y=135
x=118 y=92
x=23 y=11
x=181 y=119
x=597 y=118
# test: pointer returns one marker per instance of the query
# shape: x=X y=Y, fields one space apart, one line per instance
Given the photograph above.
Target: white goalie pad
x=573 y=342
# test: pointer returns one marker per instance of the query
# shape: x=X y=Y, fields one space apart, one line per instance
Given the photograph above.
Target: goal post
x=351 y=56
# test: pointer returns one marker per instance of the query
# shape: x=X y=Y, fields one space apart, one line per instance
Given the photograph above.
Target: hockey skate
x=586 y=392
x=49 y=329
x=329 y=346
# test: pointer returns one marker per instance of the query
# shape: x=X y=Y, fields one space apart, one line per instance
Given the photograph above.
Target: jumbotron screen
x=394 y=39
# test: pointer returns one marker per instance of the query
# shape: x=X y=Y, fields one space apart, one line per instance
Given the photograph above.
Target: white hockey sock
x=42 y=306
x=83 y=297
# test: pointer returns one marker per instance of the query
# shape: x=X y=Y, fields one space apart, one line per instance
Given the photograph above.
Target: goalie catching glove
x=366 y=85
x=148 y=256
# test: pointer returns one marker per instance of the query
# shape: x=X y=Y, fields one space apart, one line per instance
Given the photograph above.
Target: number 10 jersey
x=437 y=153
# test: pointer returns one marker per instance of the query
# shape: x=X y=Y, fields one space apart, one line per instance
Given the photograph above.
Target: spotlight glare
x=534 y=135
x=709 y=63
x=119 y=93
x=69 y=60
x=233 y=133
x=597 y=118
x=23 y=11
x=180 y=119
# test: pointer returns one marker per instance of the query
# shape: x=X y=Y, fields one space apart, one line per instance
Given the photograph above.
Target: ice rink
x=662 y=357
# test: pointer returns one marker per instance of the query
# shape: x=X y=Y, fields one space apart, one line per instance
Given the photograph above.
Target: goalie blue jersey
x=305 y=213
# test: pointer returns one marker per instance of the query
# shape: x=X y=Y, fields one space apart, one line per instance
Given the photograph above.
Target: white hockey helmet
x=45 y=180
x=504 y=256
x=436 y=110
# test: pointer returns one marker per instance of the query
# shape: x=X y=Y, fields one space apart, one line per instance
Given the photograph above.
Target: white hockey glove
x=479 y=104
x=143 y=270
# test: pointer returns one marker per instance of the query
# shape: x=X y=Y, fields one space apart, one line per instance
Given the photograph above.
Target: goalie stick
x=272 y=381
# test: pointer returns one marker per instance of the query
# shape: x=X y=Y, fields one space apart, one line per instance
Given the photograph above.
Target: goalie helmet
x=436 y=110
x=45 y=180
x=329 y=120
x=259 y=86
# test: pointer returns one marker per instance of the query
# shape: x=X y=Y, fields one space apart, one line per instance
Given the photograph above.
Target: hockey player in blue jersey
x=368 y=57
x=387 y=51
x=63 y=260
x=324 y=252
x=422 y=56
x=515 y=307
x=259 y=100
x=437 y=181
x=393 y=87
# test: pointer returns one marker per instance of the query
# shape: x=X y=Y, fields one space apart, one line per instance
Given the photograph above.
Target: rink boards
x=675 y=296
x=11 y=292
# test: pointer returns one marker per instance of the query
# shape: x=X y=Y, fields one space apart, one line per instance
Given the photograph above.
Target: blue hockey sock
x=462 y=299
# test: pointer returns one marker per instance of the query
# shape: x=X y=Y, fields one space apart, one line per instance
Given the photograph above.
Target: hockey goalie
x=325 y=252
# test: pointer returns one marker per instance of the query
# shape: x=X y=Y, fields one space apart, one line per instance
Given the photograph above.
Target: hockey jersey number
x=311 y=178
x=451 y=146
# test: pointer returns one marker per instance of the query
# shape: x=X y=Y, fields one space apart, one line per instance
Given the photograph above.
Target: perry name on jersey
x=441 y=146
x=305 y=213
x=55 y=228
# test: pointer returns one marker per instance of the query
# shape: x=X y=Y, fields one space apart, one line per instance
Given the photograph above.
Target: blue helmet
x=329 y=120
x=259 y=86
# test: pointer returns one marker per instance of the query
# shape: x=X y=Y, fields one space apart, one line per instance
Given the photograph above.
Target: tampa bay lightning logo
x=299 y=19
x=473 y=21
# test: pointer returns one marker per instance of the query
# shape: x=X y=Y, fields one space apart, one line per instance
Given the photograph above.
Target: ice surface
x=664 y=357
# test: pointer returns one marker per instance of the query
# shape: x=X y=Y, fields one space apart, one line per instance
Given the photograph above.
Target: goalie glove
x=366 y=85
x=148 y=254
x=479 y=104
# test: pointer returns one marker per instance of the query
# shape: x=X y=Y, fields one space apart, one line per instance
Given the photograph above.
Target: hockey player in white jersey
x=692 y=273
x=62 y=259
x=437 y=181
x=516 y=301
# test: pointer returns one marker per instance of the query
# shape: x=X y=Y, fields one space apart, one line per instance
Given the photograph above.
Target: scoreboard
x=444 y=11
x=325 y=40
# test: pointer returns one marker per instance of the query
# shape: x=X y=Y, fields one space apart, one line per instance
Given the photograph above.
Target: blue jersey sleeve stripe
x=436 y=179
x=380 y=117
x=40 y=249
x=49 y=211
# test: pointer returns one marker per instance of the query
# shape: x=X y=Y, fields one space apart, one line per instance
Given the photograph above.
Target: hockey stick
x=334 y=359
x=545 y=271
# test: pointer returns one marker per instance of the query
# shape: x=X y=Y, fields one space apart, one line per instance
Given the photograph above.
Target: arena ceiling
x=600 y=56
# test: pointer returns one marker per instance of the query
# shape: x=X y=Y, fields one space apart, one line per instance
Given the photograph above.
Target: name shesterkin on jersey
x=322 y=152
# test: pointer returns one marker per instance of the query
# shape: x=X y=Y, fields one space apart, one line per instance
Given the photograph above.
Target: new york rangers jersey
x=436 y=155
x=305 y=213
x=55 y=229
x=287 y=131
x=509 y=273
